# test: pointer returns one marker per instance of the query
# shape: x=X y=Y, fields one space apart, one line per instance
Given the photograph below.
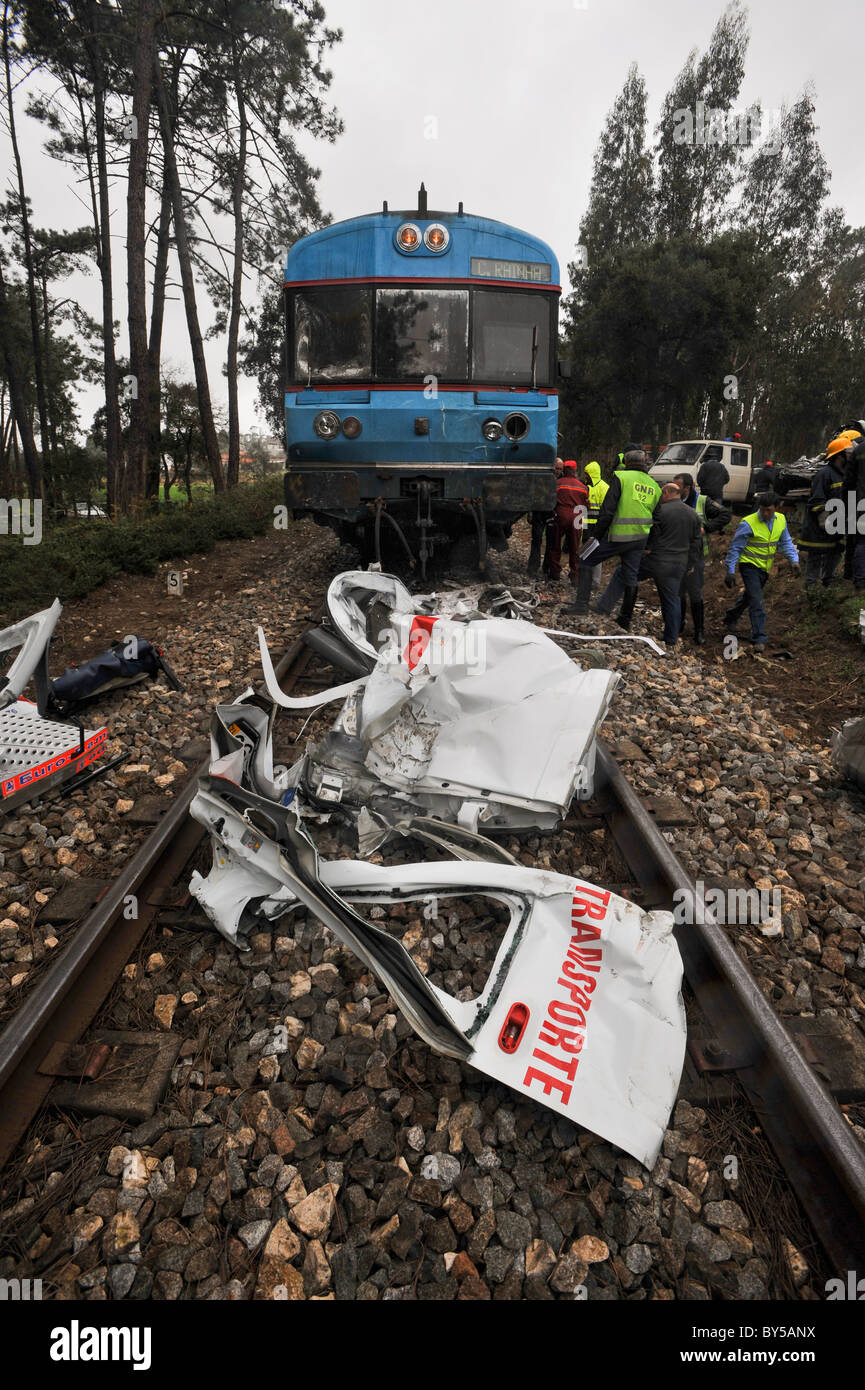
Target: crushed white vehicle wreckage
x=581 y=1009
x=477 y=720
x=456 y=722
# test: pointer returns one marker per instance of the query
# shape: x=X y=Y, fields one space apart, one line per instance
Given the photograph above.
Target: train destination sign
x=538 y=272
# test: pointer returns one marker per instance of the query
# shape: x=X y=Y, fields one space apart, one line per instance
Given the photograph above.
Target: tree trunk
x=102 y=226
x=211 y=443
x=17 y=397
x=157 y=315
x=236 y=280
x=7 y=421
x=46 y=349
x=16 y=455
x=187 y=469
x=136 y=265
x=28 y=260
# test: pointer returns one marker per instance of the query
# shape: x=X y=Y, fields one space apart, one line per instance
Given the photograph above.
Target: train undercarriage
x=421 y=513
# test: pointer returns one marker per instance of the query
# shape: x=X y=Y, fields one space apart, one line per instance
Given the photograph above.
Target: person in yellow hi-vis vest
x=598 y=490
x=754 y=547
x=621 y=530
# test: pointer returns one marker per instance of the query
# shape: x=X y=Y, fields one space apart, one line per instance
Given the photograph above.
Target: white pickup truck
x=688 y=455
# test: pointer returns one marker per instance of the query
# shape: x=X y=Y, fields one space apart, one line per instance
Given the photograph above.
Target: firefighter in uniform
x=754 y=546
x=824 y=547
x=572 y=504
x=855 y=473
x=854 y=482
x=622 y=530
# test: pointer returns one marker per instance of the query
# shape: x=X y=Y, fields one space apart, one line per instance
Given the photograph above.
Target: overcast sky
x=514 y=94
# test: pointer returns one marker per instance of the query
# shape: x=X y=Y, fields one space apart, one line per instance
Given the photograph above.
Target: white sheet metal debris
x=480 y=721
x=32 y=635
x=581 y=1009
x=465 y=720
x=605 y=637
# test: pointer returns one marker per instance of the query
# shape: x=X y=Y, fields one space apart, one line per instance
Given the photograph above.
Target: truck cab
x=688 y=455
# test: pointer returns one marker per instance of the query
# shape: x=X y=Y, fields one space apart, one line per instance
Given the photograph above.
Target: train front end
x=421 y=401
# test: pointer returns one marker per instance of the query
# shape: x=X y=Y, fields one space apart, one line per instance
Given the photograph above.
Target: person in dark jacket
x=713 y=476
x=622 y=529
x=711 y=515
x=765 y=477
x=673 y=553
x=673 y=549
x=822 y=537
x=541 y=523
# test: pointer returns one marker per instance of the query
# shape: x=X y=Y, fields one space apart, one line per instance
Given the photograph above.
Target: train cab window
x=333 y=333
x=421 y=332
x=502 y=336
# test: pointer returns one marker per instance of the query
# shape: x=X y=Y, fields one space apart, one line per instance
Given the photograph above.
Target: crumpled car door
x=581 y=1009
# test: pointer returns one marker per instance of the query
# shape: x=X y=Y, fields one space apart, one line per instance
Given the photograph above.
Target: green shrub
x=75 y=557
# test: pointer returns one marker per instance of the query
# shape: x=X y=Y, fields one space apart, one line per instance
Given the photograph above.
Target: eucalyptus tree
x=785 y=184
x=83 y=47
x=619 y=211
x=261 y=82
x=168 y=127
x=701 y=134
x=13 y=320
x=10 y=25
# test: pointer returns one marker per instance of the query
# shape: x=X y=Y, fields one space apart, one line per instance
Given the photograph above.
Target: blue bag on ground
x=123 y=664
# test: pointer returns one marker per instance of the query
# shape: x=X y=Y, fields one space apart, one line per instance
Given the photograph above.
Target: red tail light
x=513 y=1028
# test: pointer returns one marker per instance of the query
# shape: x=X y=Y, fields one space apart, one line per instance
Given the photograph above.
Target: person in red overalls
x=572 y=505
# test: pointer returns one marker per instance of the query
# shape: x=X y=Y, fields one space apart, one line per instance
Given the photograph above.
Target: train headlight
x=351 y=427
x=436 y=237
x=492 y=430
x=408 y=237
x=516 y=425
x=326 y=424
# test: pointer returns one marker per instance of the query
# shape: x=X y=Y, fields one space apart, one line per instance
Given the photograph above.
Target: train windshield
x=408 y=332
x=421 y=332
x=333 y=333
x=503 y=333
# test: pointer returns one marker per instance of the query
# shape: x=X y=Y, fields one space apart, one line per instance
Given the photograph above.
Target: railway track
x=822 y=1159
x=68 y=996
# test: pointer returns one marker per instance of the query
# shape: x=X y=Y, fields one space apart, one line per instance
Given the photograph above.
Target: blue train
x=421 y=395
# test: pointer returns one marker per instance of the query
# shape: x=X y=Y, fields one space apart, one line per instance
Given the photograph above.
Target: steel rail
x=94 y=958
x=821 y=1156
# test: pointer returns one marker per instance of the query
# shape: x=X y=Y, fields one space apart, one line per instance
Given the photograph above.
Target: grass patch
x=76 y=556
x=177 y=493
x=849 y=615
x=823 y=608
